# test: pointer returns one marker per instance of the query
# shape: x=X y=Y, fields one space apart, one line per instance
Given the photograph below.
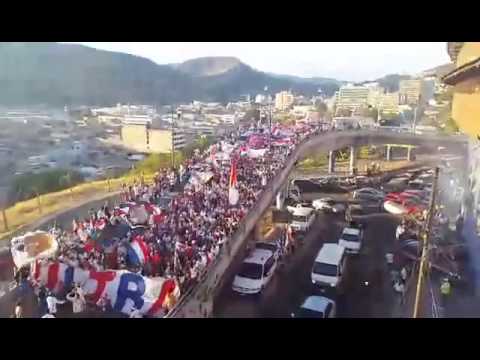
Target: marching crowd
x=183 y=238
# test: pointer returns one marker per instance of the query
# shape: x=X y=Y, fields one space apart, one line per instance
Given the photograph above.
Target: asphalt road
x=291 y=284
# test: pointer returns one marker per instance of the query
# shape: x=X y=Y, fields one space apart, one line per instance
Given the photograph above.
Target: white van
x=329 y=266
x=256 y=272
x=302 y=218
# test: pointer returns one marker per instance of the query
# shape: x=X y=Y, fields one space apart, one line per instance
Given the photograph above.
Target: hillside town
x=359 y=202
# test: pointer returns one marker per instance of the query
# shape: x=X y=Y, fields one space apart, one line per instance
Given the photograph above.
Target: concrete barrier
x=198 y=301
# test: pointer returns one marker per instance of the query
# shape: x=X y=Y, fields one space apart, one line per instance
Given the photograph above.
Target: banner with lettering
x=125 y=290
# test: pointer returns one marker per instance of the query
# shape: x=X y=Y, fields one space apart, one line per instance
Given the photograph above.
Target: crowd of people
x=184 y=237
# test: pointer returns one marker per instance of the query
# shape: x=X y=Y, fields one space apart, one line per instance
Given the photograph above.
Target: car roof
x=368 y=189
x=324 y=199
x=316 y=303
x=330 y=254
x=351 y=231
x=302 y=211
x=259 y=256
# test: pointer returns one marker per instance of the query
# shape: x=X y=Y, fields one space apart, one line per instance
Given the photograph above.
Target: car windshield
x=349 y=237
x=299 y=218
x=251 y=271
x=307 y=313
x=324 y=269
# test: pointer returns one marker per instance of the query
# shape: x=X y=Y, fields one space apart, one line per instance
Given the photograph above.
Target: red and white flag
x=233 y=195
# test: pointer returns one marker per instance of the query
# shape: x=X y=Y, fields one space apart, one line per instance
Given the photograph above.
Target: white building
x=261 y=99
x=351 y=97
x=284 y=100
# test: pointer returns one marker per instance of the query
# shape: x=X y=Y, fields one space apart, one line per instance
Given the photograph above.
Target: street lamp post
x=414 y=125
x=269 y=114
x=172 y=132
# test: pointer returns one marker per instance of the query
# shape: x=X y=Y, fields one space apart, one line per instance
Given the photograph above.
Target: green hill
x=62 y=74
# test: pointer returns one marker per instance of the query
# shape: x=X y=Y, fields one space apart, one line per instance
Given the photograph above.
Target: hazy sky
x=342 y=60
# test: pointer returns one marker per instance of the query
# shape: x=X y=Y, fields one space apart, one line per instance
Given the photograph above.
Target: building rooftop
x=463 y=72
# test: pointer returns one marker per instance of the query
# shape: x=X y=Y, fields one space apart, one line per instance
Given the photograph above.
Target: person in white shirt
x=78 y=303
x=135 y=313
x=52 y=302
x=48 y=316
x=400 y=231
x=18 y=310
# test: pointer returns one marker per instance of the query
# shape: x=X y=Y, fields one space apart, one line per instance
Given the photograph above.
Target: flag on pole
x=233 y=195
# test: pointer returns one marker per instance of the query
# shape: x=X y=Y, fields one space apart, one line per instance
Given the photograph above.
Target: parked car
x=256 y=272
x=351 y=239
x=367 y=197
x=271 y=246
x=328 y=205
x=302 y=218
x=318 y=307
x=371 y=191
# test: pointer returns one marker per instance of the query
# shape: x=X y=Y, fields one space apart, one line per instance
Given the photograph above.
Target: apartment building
x=141 y=138
x=351 y=97
x=284 y=100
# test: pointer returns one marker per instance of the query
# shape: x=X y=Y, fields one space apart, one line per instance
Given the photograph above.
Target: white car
x=256 y=272
x=328 y=205
x=351 y=239
x=318 y=307
x=368 y=193
x=302 y=218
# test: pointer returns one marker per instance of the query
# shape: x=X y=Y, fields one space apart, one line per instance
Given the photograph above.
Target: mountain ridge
x=70 y=74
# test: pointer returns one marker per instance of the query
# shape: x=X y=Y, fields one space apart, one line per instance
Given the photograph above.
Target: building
x=302 y=110
x=351 y=97
x=284 y=100
x=141 y=138
x=375 y=94
x=137 y=120
x=415 y=91
x=465 y=80
x=388 y=103
x=260 y=99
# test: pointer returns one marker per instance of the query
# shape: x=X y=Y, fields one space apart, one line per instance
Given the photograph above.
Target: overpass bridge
x=198 y=302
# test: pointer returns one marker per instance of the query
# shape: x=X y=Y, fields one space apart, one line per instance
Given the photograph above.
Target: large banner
x=200 y=178
x=256 y=153
x=31 y=246
x=126 y=290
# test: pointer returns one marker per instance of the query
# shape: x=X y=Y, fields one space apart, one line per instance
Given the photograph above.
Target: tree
x=321 y=108
x=343 y=112
x=373 y=113
x=451 y=126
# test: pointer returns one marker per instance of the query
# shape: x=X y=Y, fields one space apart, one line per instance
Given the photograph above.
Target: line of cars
x=330 y=267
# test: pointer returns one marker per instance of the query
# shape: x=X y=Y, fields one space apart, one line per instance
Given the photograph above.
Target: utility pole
x=5 y=221
x=414 y=119
x=173 y=144
x=426 y=238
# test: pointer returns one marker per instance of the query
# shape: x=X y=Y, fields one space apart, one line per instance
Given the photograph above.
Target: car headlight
x=332 y=285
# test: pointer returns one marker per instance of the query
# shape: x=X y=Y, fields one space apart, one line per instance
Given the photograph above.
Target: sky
x=350 y=61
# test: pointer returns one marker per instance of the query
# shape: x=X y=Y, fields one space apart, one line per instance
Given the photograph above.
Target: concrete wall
x=466 y=98
x=199 y=301
x=466 y=106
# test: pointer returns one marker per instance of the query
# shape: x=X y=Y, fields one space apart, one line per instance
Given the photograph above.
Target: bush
x=28 y=185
